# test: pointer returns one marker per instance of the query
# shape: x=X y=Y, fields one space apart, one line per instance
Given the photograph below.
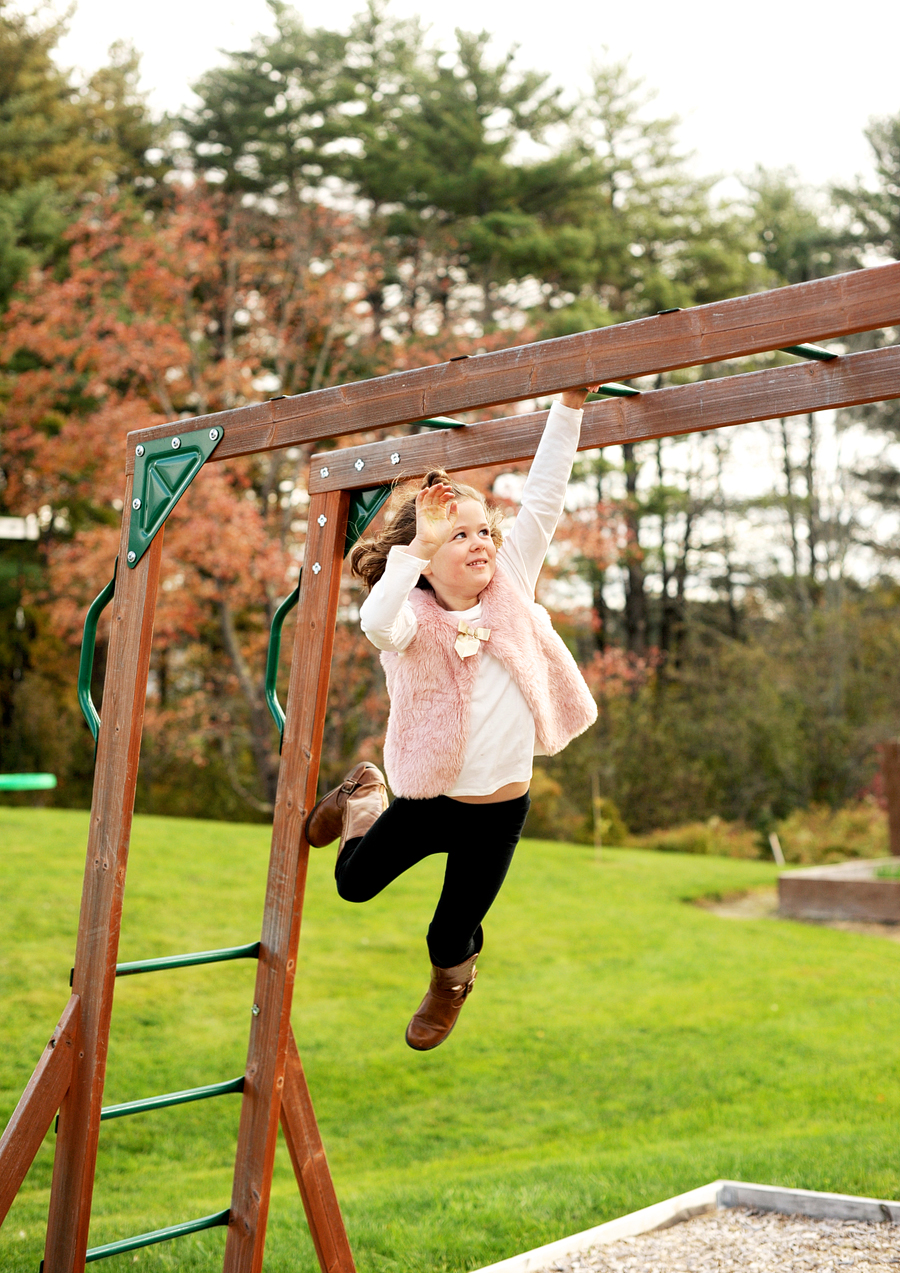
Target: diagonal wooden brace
x=39 y=1102
x=323 y=1214
x=264 y=1076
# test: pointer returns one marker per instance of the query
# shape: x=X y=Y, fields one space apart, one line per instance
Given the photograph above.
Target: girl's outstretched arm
x=544 y=493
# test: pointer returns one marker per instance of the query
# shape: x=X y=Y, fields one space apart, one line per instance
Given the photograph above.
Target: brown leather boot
x=436 y=1015
x=350 y=809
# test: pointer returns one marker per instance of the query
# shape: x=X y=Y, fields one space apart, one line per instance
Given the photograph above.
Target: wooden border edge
x=719 y=1194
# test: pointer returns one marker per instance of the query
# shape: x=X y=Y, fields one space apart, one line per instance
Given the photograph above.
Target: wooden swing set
x=346 y=487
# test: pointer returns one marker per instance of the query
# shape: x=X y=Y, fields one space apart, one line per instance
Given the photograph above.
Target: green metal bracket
x=439 y=422
x=86 y=662
x=810 y=351
x=163 y=470
x=363 y=507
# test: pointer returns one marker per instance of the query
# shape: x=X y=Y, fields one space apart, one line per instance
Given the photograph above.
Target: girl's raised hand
x=575 y=397
x=436 y=513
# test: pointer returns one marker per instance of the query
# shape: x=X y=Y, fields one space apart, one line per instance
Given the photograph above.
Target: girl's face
x=465 y=565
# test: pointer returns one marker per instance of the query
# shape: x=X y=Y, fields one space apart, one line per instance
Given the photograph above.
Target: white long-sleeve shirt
x=501 y=743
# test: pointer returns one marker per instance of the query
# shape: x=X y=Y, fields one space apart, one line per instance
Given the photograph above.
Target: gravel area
x=749 y=1241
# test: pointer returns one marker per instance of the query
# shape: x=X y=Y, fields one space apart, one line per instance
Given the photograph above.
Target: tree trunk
x=260 y=723
x=890 y=771
x=666 y=601
x=812 y=501
x=635 y=591
x=597 y=579
x=800 y=589
x=734 y=618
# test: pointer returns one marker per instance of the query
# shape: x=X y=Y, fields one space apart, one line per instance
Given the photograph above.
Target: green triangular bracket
x=363 y=507
x=163 y=470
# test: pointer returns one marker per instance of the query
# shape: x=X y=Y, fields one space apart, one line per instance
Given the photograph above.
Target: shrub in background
x=807 y=836
x=820 y=834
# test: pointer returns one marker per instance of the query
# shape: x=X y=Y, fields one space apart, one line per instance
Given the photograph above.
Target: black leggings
x=479 y=840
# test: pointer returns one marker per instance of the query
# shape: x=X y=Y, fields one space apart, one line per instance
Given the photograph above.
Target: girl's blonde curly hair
x=368 y=558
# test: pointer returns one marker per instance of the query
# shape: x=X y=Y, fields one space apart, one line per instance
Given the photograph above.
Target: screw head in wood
x=323 y=472
x=176 y=443
x=321 y=519
x=316 y=567
x=255 y=1009
x=139 y=450
x=359 y=465
x=395 y=457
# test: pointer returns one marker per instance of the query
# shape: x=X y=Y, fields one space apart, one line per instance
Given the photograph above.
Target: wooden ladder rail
x=112 y=808
x=267 y=1056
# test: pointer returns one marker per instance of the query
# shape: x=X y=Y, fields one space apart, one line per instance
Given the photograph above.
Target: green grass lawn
x=621 y=1046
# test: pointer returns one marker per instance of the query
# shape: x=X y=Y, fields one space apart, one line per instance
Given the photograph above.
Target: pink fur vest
x=430 y=687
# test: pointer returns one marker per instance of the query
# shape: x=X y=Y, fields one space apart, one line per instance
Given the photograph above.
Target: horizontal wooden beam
x=872 y=376
x=39 y=1102
x=828 y=307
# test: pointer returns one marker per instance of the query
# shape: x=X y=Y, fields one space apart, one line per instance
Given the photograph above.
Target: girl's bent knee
x=350 y=891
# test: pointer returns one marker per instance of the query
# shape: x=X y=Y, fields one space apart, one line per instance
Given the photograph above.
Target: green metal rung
x=27 y=782
x=172 y=1098
x=615 y=390
x=810 y=351
x=163 y=470
x=250 y=951
x=158 y=1235
x=86 y=662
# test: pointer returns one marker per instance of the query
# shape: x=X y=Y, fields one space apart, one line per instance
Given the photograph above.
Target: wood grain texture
x=305 y=720
x=323 y=1214
x=835 y=306
x=118 y=751
x=39 y=1102
x=890 y=773
x=872 y=376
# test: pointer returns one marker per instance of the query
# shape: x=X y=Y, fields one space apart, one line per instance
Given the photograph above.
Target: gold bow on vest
x=467 y=641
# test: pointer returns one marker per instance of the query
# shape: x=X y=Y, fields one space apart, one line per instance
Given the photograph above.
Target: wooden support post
x=39 y=1102
x=298 y=1122
x=890 y=772
x=118 y=750
x=270 y=1025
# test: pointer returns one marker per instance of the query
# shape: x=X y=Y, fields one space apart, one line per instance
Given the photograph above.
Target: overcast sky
x=779 y=84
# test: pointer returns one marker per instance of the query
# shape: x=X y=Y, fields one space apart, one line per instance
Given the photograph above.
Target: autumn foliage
x=341 y=204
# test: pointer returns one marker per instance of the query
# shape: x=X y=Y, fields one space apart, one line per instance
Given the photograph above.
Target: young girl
x=479 y=683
